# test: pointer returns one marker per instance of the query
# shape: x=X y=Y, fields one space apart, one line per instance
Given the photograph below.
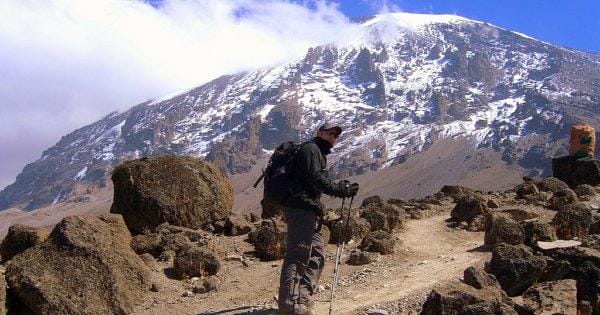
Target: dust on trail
x=429 y=253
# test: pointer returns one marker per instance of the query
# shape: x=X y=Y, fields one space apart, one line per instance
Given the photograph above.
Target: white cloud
x=65 y=63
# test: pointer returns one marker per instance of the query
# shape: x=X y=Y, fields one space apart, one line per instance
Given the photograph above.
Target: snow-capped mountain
x=413 y=80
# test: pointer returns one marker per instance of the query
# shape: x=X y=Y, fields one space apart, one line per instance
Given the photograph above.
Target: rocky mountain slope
x=412 y=81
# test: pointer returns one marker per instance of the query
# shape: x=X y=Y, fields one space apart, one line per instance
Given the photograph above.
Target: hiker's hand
x=347 y=189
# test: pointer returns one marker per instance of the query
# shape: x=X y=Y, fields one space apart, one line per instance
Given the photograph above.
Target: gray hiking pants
x=300 y=273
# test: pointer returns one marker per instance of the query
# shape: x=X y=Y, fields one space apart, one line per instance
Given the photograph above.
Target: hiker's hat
x=331 y=127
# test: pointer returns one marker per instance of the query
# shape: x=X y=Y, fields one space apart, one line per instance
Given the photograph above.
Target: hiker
x=305 y=248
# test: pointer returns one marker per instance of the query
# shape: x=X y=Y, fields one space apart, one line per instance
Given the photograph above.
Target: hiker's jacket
x=309 y=176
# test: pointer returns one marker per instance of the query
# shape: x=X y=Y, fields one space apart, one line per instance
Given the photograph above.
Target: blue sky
x=571 y=23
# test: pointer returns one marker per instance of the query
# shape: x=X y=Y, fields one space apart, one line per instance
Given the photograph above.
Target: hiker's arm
x=314 y=175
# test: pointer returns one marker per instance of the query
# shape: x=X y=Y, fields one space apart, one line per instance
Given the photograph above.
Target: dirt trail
x=430 y=253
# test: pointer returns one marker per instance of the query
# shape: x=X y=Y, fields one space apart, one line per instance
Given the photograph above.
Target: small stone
x=188 y=294
x=558 y=244
x=375 y=311
x=155 y=287
x=234 y=258
x=194 y=279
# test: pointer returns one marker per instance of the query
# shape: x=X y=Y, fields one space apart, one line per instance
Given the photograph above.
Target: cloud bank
x=66 y=63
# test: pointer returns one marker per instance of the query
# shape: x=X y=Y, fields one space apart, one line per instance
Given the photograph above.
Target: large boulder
x=585 y=190
x=537 y=231
x=516 y=267
x=85 y=266
x=562 y=198
x=455 y=191
x=588 y=285
x=526 y=189
x=375 y=200
x=501 y=228
x=574 y=171
x=183 y=191
x=478 y=278
x=269 y=239
x=468 y=206
x=19 y=238
x=552 y=184
x=378 y=242
x=573 y=220
x=194 y=261
x=459 y=298
x=553 y=297
x=383 y=216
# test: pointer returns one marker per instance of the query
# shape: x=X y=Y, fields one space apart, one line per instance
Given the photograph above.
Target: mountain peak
x=415 y=20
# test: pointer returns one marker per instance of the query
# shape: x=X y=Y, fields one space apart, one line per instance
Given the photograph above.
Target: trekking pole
x=340 y=249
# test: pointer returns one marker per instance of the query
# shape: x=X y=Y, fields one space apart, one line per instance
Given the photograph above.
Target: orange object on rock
x=583 y=141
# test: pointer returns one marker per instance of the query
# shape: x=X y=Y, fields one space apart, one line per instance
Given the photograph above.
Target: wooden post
x=583 y=141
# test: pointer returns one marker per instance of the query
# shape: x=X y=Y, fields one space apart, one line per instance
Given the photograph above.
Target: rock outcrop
x=468 y=206
x=501 y=228
x=182 y=191
x=85 y=266
x=19 y=238
x=552 y=297
x=573 y=220
x=516 y=267
x=574 y=171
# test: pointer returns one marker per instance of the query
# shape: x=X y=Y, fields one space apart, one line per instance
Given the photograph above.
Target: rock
x=575 y=171
x=455 y=191
x=478 y=278
x=196 y=262
x=588 y=285
x=357 y=228
x=376 y=311
x=19 y=238
x=378 y=241
x=554 y=297
x=208 y=284
x=468 y=206
x=556 y=270
x=460 y=298
x=520 y=214
x=155 y=287
x=182 y=191
x=146 y=243
x=574 y=220
x=493 y=204
x=552 y=184
x=219 y=227
x=557 y=244
x=386 y=217
x=188 y=294
x=516 y=267
x=149 y=260
x=193 y=235
x=562 y=198
x=478 y=224
x=575 y=255
x=174 y=242
x=540 y=199
x=85 y=266
x=236 y=224
x=535 y=232
x=373 y=200
x=501 y=228
x=168 y=255
x=358 y=257
x=591 y=241
x=585 y=190
x=269 y=239
x=526 y=189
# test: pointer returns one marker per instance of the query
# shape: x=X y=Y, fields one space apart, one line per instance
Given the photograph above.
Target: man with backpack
x=302 y=210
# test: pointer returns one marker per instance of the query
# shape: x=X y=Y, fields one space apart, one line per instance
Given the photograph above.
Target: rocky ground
x=458 y=250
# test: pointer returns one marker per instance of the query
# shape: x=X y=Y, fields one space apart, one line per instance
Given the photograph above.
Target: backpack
x=277 y=180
